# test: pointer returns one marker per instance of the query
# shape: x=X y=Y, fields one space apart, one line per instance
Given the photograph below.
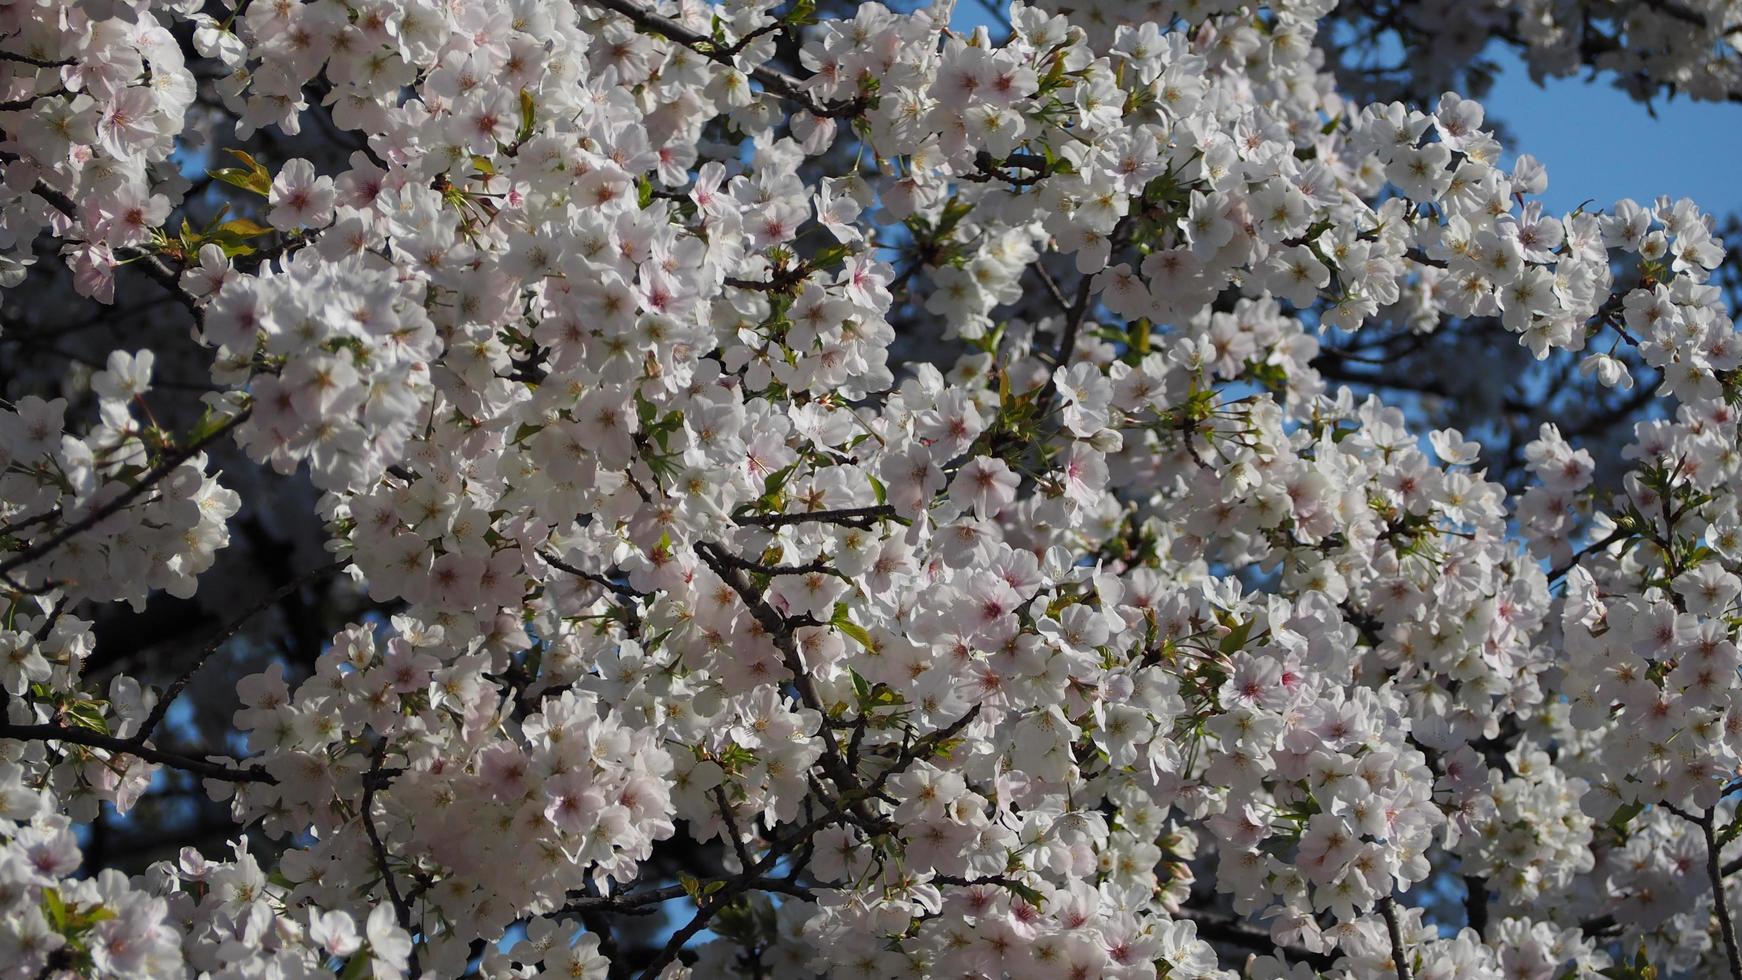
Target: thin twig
x=1226 y=929
x=98 y=740
x=219 y=638
x=849 y=516
x=731 y=827
x=1399 y=958
x=1052 y=287
x=631 y=615
x=34 y=62
x=783 y=85
x=1560 y=571
x=401 y=908
x=1074 y=317
x=146 y=482
x=780 y=633
x=619 y=588
x=1721 y=903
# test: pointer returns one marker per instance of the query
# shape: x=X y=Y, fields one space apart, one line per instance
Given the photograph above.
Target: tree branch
x=1721 y=903
x=849 y=516
x=401 y=908
x=146 y=482
x=218 y=639
x=1399 y=957
x=780 y=633
x=1476 y=903
x=628 y=594
x=1230 y=930
x=782 y=85
x=98 y=740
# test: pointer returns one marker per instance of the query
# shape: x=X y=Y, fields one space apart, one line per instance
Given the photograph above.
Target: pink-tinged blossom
x=982 y=505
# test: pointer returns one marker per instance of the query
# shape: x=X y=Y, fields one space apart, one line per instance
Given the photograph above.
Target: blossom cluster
x=1110 y=639
x=1651 y=47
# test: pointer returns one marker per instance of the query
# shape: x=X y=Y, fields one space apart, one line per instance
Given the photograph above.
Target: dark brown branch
x=34 y=62
x=146 y=482
x=818 y=564
x=218 y=639
x=848 y=516
x=617 y=587
x=1229 y=930
x=7 y=530
x=1560 y=571
x=780 y=281
x=628 y=595
x=98 y=740
x=731 y=827
x=1677 y=11
x=988 y=170
x=1476 y=903
x=1399 y=956
x=148 y=263
x=14 y=105
x=754 y=876
x=782 y=85
x=1721 y=903
x=401 y=908
x=780 y=633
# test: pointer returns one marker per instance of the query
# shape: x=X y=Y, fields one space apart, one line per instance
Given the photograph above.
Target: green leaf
x=1054 y=77
x=1639 y=969
x=774 y=482
x=251 y=176
x=54 y=908
x=80 y=921
x=852 y=629
x=89 y=715
x=1238 y=632
x=208 y=425
x=243 y=228
x=357 y=967
x=217 y=219
x=1624 y=815
x=527 y=115
x=238 y=178
x=645 y=412
x=247 y=160
x=830 y=258
x=232 y=236
x=953 y=214
x=737 y=922
x=692 y=885
x=1027 y=893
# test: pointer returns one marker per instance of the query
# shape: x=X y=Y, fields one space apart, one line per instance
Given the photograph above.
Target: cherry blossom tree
x=616 y=488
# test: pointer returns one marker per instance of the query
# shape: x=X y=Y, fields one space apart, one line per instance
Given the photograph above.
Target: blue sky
x=1596 y=142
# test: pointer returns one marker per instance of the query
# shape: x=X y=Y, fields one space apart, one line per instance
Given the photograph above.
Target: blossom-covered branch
x=884 y=499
